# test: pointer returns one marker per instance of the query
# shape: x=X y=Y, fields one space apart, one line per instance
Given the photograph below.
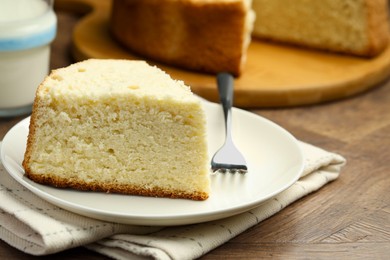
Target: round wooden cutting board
x=274 y=76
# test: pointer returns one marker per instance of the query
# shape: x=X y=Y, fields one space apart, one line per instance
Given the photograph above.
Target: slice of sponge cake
x=118 y=126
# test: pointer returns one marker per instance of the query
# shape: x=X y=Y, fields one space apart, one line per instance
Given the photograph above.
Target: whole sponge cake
x=201 y=35
x=213 y=36
x=118 y=126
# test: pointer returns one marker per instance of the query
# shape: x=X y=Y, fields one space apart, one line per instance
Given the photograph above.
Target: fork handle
x=225 y=82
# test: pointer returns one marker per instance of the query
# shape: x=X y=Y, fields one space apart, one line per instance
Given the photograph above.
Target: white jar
x=27 y=27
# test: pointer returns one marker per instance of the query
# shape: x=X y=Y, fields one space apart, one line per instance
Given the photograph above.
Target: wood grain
x=347 y=219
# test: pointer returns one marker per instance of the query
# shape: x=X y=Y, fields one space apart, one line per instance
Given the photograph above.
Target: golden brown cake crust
x=378 y=26
x=112 y=188
x=190 y=34
x=31 y=133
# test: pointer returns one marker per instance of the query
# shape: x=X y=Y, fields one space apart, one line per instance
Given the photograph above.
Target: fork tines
x=230 y=169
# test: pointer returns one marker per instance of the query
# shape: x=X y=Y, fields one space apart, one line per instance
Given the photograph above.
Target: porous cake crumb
x=118 y=126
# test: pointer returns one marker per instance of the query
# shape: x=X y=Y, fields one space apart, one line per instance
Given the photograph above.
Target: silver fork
x=228 y=158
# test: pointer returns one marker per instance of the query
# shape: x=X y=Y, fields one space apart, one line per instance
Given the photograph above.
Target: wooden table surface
x=346 y=219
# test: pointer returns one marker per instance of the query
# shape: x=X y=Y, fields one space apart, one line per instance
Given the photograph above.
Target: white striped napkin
x=37 y=227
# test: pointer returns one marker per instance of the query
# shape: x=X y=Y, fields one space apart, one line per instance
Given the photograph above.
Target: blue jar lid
x=28 y=32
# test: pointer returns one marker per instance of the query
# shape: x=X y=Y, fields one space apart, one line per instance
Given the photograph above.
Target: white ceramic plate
x=274 y=159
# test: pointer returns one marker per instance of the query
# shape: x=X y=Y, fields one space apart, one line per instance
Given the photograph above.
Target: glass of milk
x=27 y=27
